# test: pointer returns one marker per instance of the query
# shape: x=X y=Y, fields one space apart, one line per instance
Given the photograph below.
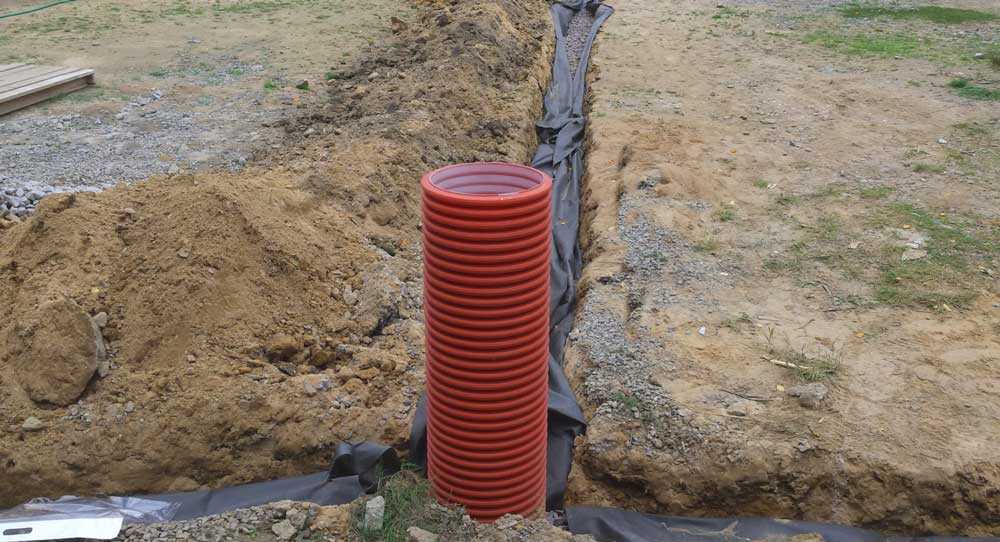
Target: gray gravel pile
x=151 y=134
x=576 y=37
x=621 y=360
x=280 y=521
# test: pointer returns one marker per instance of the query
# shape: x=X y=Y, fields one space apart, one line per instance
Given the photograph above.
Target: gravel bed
x=274 y=522
x=576 y=37
x=151 y=135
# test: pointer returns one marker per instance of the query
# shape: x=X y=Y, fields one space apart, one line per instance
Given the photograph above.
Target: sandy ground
x=778 y=198
x=181 y=86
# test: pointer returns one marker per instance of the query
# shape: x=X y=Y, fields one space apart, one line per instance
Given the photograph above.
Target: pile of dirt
x=253 y=320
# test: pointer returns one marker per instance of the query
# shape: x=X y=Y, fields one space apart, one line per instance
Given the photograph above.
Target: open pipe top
x=486 y=182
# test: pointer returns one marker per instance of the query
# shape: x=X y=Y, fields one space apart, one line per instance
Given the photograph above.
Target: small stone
x=32 y=424
x=374 y=513
x=506 y=522
x=913 y=254
x=809 y=395
x=173 y=169
x=979 y=56
x=350 y=296
x=702 y=330
x=297 y=517
x=184 y=253
x=129 y=407
x=284 y=530
x=334 y=520
x=743 y=409
x=651 y=178
x=419 y=535
x=282 y=347
x=101 y=319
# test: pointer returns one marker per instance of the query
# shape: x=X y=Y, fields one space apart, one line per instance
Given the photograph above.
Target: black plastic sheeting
x=610 y=524
x=355 y=471
x=356 y=467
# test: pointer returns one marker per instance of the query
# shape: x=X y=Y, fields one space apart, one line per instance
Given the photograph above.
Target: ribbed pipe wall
x=487 y=237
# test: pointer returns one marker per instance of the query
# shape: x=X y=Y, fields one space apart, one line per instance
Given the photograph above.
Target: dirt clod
x=54 y=352
x=809 y=395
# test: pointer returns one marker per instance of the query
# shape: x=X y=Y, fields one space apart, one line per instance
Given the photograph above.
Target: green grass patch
x=934 y=14
x=409 y=503
x=866 y=45
x=975 y=92
x=760 y=183
x=159 y=72
x=726 y=214
x=944 y=270
x=271 y=84
x=875 y=192
x=994 y=58
x=726 y=12
x=946 y=275
x=924 y=167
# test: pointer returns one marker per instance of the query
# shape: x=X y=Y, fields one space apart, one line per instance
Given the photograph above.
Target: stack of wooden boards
x=24 y=84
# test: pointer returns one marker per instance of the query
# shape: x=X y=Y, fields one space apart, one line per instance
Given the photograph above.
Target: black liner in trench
x=560 y=154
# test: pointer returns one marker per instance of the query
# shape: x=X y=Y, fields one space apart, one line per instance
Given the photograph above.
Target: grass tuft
x=875 y=192
x=924 y=167
x=808 y=367
x=934 y=14
x=408 y=503
x=726 y=214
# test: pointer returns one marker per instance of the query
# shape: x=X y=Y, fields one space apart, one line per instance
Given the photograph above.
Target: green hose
x=36 y=8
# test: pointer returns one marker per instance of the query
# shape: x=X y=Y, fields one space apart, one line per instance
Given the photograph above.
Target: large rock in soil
x=54 y=352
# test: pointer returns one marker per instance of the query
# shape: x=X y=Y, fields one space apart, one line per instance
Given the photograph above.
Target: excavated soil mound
x=253 y=320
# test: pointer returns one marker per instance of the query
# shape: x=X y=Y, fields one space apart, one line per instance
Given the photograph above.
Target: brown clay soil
x=780 y=195
x=255 y=319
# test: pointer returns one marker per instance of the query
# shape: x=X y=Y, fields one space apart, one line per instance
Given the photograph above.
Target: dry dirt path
x=791 y=236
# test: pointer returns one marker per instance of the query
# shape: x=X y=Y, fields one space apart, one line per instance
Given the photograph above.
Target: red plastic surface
x=487 y=238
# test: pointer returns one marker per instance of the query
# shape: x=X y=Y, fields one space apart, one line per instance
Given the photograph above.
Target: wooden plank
x=32 y=79
x=24 y=72
x=36 y=87
x=5 y=67
x=32 y=94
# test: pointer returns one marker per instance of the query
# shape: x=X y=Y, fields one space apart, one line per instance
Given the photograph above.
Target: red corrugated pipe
x=486 y=232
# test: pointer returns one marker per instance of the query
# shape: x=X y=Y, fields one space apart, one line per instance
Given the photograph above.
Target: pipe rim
x=444 y=183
